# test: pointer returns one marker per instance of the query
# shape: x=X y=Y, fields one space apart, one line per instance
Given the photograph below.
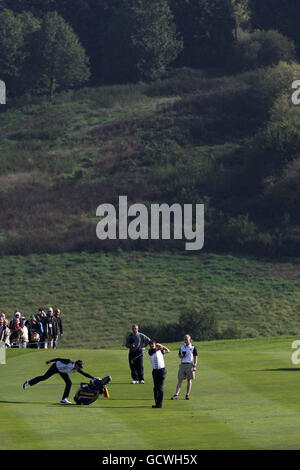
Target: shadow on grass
x=104 y=407
x=283 y=369
x=121 y=383
x=14 y=402
x=126 y=399
x=74 y=405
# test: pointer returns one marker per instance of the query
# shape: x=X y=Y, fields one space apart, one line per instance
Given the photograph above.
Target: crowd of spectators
x=41 y=330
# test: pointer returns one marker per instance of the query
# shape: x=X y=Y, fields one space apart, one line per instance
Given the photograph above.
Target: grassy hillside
x=100 y=295
x=187 y=139
x=183 y=139
x=245 y=396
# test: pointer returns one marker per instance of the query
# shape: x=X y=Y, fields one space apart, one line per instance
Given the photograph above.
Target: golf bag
x=88 y=393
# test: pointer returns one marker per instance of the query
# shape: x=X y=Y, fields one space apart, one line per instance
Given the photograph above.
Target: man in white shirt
x=63 y=367
x=189 y=357
x=156 y=355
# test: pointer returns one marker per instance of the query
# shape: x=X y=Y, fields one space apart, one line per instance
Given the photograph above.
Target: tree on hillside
x=282 y=15
x=88 y=18
x=12 y=42
x=36 y=7
x=30 y=27
x=61 y=59
x=140 y=42
x=206 y=27
x=16 y=33
x=242 y=15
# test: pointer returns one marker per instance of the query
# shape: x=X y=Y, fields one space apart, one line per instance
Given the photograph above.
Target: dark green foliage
x=206 y=27
x=17 y=33
x=36 y=7
x=161 y=332
x=36 y=54
x=282 y=15
x=140 y=41
x=231 y=332
x=242 y=15
x=272 y=163
x=262 y=48
x=12 y=45
x=88 y=18
x=198 y=321
x=61 y=59
x=229 y=142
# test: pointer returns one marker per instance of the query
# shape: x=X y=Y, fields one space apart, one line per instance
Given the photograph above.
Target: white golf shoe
x=25 y=385
x=66 y=402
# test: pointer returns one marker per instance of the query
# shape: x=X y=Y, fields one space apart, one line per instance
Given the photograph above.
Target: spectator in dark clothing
x=51 y=329
x=59 y=326
x=17 y=315
x=34 y=332
x=43 y=319
x=136 y=342
x=15 y=332
x=38 y=318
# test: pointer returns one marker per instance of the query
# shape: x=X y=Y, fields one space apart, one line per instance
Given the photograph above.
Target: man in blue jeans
x=63 y=367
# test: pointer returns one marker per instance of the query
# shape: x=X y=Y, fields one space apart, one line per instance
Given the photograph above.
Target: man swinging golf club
x=63 y=367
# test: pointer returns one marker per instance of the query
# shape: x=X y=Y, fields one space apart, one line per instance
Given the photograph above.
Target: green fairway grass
x=245 y=396
x=100 y=295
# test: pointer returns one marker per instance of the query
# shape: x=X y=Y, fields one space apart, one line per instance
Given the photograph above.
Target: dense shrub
x=162 y=332
x=200 y=323
x=231 y=332
x=140 y=42
x=262 y=48
x=206 y=27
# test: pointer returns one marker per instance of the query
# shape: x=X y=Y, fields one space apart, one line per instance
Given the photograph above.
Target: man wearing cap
x=16 y=330
x=17 y=315
x=63 y=367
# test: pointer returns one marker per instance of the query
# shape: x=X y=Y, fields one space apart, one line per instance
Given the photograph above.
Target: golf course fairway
x=245 y=396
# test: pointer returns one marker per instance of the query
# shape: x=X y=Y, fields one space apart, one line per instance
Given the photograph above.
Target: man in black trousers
x=156 y=355
x=136 y=342
x=63 y=367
